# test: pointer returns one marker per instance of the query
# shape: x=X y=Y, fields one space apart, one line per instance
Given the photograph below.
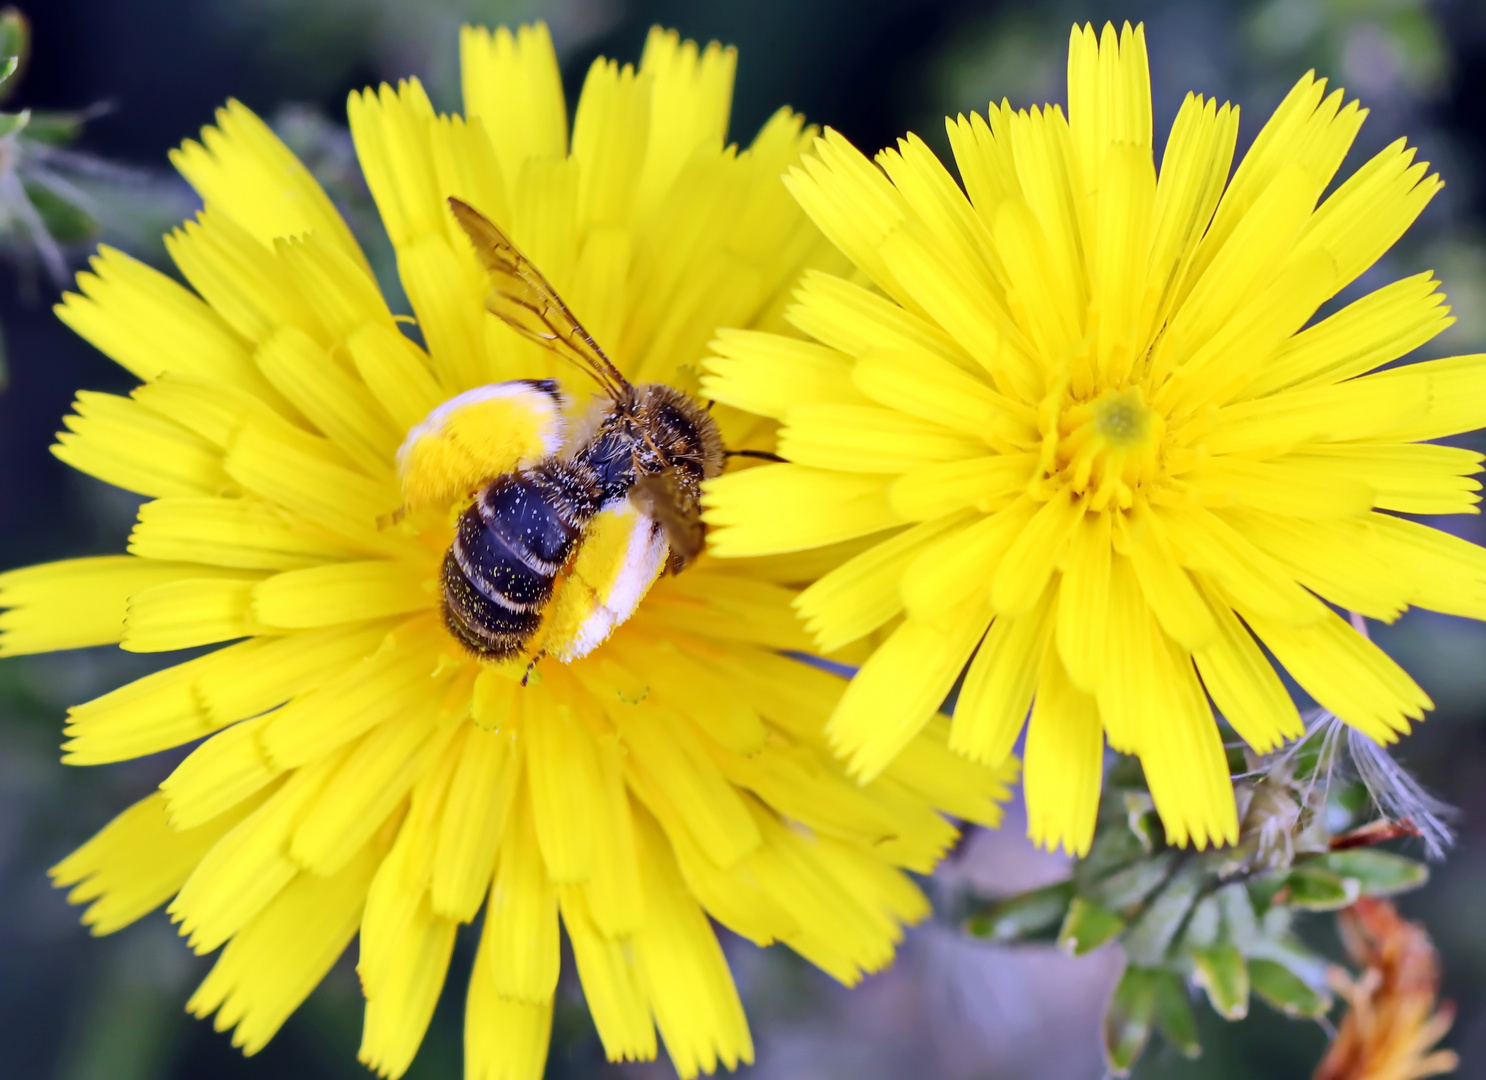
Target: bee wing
x=526 y=301
x=677 y=507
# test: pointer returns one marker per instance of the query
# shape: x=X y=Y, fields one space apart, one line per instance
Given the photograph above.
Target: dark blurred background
x=79 y=1009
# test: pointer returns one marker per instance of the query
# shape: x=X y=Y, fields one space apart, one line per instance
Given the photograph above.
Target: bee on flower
x=448 y=689
x=1079 y=428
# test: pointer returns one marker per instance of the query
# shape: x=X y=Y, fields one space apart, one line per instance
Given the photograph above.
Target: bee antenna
x=761 y=455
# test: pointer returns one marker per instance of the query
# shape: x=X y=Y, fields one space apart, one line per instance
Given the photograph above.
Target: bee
x=558 y=547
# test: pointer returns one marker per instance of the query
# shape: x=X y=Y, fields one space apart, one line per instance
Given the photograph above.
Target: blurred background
x=147 y=73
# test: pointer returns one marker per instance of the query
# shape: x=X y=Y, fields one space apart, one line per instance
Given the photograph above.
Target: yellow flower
x=359 y=770
x=1100 y=447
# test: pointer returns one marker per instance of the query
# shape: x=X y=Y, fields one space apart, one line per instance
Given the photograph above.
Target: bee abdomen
x=508 y=548
x=495 y=570
x=486 y=627
x=537 y=515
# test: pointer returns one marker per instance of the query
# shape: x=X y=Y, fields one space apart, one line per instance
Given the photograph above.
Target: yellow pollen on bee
x=475 y=436
x=1109 y=447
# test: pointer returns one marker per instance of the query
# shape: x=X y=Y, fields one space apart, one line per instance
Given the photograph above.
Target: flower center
x=1109 y=447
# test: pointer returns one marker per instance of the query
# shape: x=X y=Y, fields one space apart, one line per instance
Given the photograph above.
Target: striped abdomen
x=510 y=544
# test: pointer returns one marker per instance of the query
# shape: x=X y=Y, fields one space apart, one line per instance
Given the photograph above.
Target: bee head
x=678 y=431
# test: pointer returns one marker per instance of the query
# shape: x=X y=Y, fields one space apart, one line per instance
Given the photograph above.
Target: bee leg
x=531 y=666
x=387 y=521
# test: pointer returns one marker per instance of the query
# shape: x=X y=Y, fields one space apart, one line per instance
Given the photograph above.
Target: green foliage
x=15 y=49
x=1220 y=921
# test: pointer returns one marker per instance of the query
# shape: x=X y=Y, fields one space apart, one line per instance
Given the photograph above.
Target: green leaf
x=1114 y=846
x=1023 y=916
x=1286 y=991
x=1152 y=932
x=15 y=46
x=1087 y=927
x=1240 y=927
x=1221 y=971
x=1202 y=925
x=66 y=223
x=1263 y=890
x=16 y=121
x=1315 y=888
x=15 y=34
x=1174 y=1016
x=1127 y=1021
x=55 y=128
x=1140 y=814
x=1377 y=873
x=1132 y=884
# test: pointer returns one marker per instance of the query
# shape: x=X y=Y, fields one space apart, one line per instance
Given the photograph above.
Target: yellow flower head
x=1100 y=443
x=362 y=772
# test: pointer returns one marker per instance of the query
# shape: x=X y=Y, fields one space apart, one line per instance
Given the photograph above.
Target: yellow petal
x=901 y=686
x=342 y=592
x=311 y=484
x=769 y=374
x=856 y=320
x=1346 y=673
x=241 y=169
x=684 y=974
x=245 y=533
x=1183 y=757
x=670 y=763
x=566 y=784
x=396 y=677
x=338 y=404
x=1244 y=685
x=778 y=508
x=504 y=1039
x=1334 y=559
x=862 y=594
x=365 y=790
x=123 y=302
x=1064 y=762
x=689 y=106
x=476 y=811
x=79 y=602
x=1029 y=561
x=1083 y=602
x=397 y=1015
x=1166 y=586
x=868 y=439
x=136 y=862
x=962 y=561
x=218 y=775
x=1000 y=682
x=249 y=866
x=1364 y=335
x=196 y=611
x=611 y=985
x=1290 y=485
x=1109 y=94
x=124 y=444
x=521 y=922
x=184 y=702
x=274 y=961
x=513 y=87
